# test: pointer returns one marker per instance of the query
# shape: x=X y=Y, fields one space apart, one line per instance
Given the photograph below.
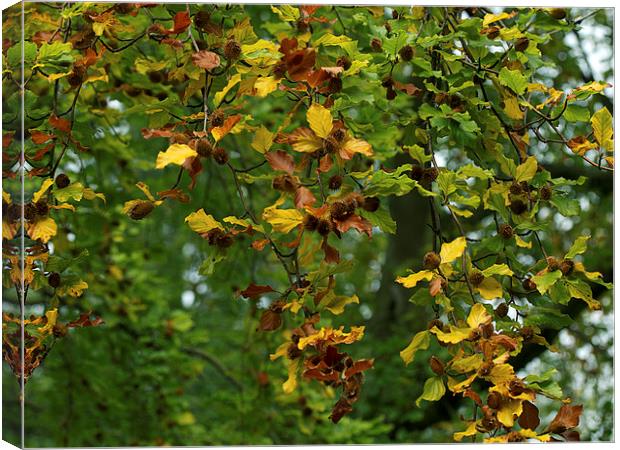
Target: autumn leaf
x=43 y=229
x=450 y=251
x=201 y=222
x=282 y=220
x=566 y=418
x=263 y=140
x=304 y=197
x=320 y=120
x=412 y=280
x=253 y=291
x=175 y=154
x=206 y=60
x=420 y=341
x=280 y=160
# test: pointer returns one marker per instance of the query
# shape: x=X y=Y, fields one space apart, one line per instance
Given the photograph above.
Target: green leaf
x=59 y=264
x=390 y=183
x=513 y=79
x=566 y=206
x=581 y=290
x=575 y=113
x=380 y=218
x=420 y=341
x=55 y=57
x=545 y=385
x=434 y=389
x=14 y=54
x=545 y=281
x=579 y=246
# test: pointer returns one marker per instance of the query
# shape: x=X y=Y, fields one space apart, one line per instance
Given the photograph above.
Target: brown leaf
x=174 y=194
x=253 y=291
x=359 y=366
x=473 y=395
x=407 y=88
x=331 y=254
x=181 y=22
x=529 y=417
x=566 y=418
x=304 y=197
x=60 y=124
x=270 y=321
x=206 y=60
x=85 y=321
x=280 y=160
x=7 y=138
x=354 y=221
x=38 y=137
x=341 y=409
x=299 y=63
x=42 y=152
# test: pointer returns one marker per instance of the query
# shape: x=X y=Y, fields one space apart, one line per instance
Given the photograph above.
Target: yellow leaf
x=492 y=18
x=320 y=120
x=219 y=96
x=522 y=243
x=497 y=269
x=478 y=316
x=466 y=364
x=43 y=229
x=74 y=290
x=469 y=431
x=281 y=351
x=63 y=206
x=44 y=187
x=8 y=230
x=290 y=384
x=337 y=303
x=353 y=145
x=501 y=374
x=201 y=222
x=511 y=106
x=263 y=140
x=413 y=279
x=89 y=194
x=508 y=409
x=490 y=289
x=264 y=86
x=144 y=188
x=6 y=197
x=602 y=125
x=455 y=335
x=52 y=317
x=282 y=220
x=243 y=223
x=458 y=387
x=527 y=170
x=306 y=141
x=175 y=154
x=452 y=250
x=420 y=341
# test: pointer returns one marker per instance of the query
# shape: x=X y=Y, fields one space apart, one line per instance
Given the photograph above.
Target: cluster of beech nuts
x=520 y=195
x=340 y=211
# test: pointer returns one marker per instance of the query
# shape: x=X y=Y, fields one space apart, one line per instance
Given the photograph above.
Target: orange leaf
x=60 y=124
x=304 y=197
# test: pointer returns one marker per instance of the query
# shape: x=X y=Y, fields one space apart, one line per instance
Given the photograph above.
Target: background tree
x=259 y=137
